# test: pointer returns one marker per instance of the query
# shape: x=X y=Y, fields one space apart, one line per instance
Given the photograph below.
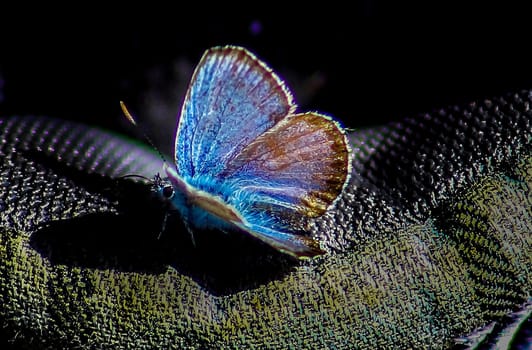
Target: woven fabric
x=428 y=247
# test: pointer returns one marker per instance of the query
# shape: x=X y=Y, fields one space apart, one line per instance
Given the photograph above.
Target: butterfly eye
x=168 y=191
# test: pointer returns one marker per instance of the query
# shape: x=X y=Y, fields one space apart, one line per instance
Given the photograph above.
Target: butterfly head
x=172 y=191
x=163 y=187
x=171 y=187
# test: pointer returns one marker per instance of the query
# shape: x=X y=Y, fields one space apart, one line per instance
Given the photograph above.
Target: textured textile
x=428 y=247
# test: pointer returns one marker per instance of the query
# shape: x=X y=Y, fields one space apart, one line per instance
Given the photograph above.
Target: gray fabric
x=428 y=246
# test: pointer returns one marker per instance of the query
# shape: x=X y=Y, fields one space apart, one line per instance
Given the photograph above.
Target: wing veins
x=228 y=103
x=270 y=150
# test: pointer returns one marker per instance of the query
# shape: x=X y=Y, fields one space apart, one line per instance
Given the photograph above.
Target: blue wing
x=232 y=98
x=296 y=245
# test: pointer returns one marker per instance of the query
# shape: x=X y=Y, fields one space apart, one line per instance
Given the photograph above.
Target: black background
x=349 y=62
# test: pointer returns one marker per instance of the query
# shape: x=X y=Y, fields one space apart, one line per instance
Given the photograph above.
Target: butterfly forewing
x=232 y=99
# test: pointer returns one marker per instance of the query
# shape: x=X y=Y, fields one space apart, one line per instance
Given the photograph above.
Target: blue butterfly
x=244 y=160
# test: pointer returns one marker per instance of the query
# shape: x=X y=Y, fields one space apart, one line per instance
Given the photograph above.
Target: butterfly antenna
x=141 y=128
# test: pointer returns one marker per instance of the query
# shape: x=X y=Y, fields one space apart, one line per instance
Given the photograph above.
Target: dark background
x=77 y=63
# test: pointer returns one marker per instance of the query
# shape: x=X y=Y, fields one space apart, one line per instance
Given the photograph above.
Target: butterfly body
x=205 y=204
x=246 y=161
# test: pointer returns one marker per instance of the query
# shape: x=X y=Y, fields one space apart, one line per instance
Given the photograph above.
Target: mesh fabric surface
x=429 y=246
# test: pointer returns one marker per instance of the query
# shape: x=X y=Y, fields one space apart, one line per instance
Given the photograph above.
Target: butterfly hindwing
x=300 y=164
x=298 y=246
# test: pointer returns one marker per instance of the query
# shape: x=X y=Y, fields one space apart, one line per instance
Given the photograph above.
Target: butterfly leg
x=163 y=225
x=191 y=233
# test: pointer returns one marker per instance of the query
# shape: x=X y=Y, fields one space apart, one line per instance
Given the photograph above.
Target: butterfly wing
x=297 y=168
x=297 y=246
x=294 y=170
x=232 y=98
x=238 y=131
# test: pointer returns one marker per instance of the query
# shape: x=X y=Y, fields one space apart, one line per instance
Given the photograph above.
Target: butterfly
x=246 y=161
